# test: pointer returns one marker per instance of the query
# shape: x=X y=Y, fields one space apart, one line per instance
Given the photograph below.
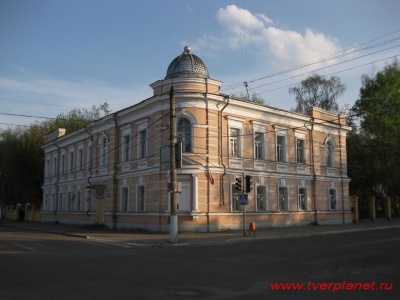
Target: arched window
x=184 y=133
x=329 y=153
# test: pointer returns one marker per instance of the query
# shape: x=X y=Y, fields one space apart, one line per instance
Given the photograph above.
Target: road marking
x=111 y=243
x=24 y=247
x=367 y=243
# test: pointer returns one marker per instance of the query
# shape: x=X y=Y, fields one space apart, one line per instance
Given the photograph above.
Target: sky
x=56 y=55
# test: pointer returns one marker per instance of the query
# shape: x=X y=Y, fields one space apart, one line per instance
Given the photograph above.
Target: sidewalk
x=131 y=238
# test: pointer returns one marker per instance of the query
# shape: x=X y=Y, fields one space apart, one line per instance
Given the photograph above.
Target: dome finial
x=186 y=50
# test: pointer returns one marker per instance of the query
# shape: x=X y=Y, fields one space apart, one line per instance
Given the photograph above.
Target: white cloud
x=281 y=47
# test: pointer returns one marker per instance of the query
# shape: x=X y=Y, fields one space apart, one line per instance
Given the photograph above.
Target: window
x=78 y=200
x=62 y=164
x=184 y=133
x=71 y=162
x=261 y=198
x=141 y=198
x=89 y=157
x=329 y=154
x=125 y=148
x=125 y=199
x=142 y=144
x=60 y=202
x=47 y=167
x=46 y=200
x=258 y=145
x=283 y=200
x=104 y=150
x=302 y=196
x=52 y=203
x=69 y=201
x=235 y=199
x=87 y=205
x=234 y=142
x=80 y=159
x=332 y=199
x=300 y=151
x=54 y=165
x=280 y=148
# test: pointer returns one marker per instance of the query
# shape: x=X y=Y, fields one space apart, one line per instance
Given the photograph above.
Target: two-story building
x=115 y=171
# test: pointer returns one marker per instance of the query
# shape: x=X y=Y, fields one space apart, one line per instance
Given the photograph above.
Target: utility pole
x=173 y=231
x=173 y=186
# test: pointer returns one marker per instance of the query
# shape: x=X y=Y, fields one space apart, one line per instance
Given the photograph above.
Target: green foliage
x=318 y=91
x=378 y=138
x=256 y=98
x=22 y=161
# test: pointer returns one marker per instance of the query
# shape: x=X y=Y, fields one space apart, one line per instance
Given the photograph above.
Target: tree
x=22 y=161
x=318 y=91
x=378 y=109
x=256 y=98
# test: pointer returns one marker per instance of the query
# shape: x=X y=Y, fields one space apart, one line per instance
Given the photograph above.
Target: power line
x=330 y=57
x=26 y=116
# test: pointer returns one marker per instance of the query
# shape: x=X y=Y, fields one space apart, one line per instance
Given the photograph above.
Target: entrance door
x=184 y=197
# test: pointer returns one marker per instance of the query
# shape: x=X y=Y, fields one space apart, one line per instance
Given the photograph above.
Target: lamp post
x=173 y=187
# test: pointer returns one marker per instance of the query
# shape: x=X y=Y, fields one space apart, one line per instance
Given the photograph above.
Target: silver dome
x=187 y=65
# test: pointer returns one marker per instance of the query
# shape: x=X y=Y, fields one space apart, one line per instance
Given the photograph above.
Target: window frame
x=299 y=198
x=141 y=198
x=124 y=199
x=185 y=136
x=285 y=206
x=332 y=200
x=261 y=201
x=300 y=151
x=234 y=142
x=330 y=153
x=259 y=148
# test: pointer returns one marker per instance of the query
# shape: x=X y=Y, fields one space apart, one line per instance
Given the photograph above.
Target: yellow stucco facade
x=115 y=170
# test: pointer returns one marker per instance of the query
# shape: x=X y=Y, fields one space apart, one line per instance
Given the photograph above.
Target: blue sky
x=58 y=54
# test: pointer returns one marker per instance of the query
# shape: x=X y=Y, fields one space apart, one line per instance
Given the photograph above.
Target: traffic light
x=248 y=184
x=238 y=184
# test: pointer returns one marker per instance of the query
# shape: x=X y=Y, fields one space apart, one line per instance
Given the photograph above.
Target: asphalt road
x=361 y=265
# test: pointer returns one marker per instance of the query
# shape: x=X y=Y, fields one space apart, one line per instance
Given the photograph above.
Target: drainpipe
x=115 y=180
x=90 y=168
x=222 y=193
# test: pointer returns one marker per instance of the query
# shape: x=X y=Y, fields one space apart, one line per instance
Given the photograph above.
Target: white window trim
x=122 y=206
x=235 y=123
x=103 y=150
x=143 y=125
x=329 y=199
x=266 y=197
x=138 y=198
x=288 y=200
x=281 y=131
x=306 y=198
x=80 y=161
x=238 y=141
x=71 y=160
x=260 y=128
x=62 y=163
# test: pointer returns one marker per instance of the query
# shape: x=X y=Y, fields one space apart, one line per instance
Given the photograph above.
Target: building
x=115 y=171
